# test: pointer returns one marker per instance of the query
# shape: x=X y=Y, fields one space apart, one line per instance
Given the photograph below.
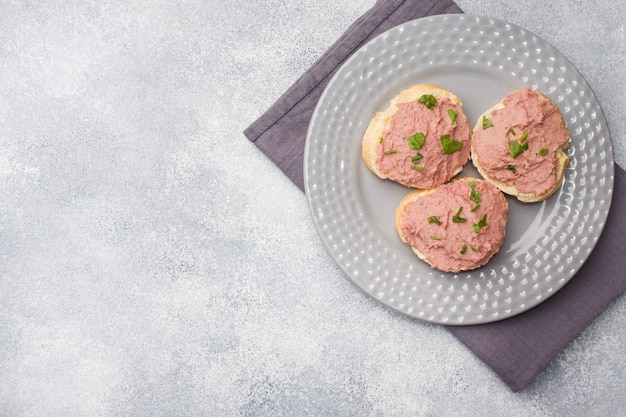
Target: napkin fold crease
x=519 y=348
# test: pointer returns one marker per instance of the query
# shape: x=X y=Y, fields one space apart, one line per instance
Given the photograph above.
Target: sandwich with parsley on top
x=455 y=227
x=519 y=146
x=422 y=140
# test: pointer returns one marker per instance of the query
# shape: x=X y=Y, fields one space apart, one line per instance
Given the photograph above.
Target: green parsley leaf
x=417 y=158
x=543 y=151
x=417 y=168
x=475 y=196
x=380 y=140
x=457 y=217
x=523 y=138
x=511 y=168
x=511 y=131
x=417 y=141
x=450 y=145
x=436 y=237
x=481 y=223
x=428 y=100
x=516 y=148
x=486 y=123
x=452 y=114
x=390 y=151
x=463 y=249
x=434 y=219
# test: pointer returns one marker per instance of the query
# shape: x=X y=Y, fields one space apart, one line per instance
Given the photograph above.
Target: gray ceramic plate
x=481 y=60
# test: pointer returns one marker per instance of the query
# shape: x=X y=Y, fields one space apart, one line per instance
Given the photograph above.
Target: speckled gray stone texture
x=154 y=262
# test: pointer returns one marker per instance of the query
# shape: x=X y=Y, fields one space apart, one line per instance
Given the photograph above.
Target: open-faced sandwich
x=455 y=227
x=518 y=145
x=422 y=140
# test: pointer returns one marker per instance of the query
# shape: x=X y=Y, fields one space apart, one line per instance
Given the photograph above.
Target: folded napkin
x=519 y=348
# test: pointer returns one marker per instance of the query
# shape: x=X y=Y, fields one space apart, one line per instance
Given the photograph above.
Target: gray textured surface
x=153 y=262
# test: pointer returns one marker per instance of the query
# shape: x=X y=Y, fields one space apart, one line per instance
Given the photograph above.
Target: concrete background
x=154 y=262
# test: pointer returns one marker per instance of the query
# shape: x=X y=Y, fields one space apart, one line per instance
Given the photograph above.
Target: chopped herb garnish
x=390 y=151
x=436 y=237
x=481 y=223
x=463 y=249
x=450 y=145
x=523 y=138
x=543 y=151
x=452 y=114
x=474 y=196
x=475 y=249
x=486 y=123
x=511 y=131
x=380 y=140
x=511 y=168
x=417 y=141
x=434 y=219
x=516 y=148
x=428 y=100
x=457 y=217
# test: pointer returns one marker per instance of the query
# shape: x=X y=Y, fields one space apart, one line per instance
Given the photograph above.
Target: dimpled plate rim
x=480 y=59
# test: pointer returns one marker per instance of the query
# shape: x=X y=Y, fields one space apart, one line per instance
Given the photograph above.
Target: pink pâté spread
x=425 y=147
x=459 y=226
x=517 y=145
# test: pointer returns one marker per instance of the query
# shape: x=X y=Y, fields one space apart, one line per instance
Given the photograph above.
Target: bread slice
x=449 y=228
x=514 y=176
x=381 y=123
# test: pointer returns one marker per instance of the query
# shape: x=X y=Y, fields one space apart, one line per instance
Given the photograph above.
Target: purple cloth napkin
x=518 y=349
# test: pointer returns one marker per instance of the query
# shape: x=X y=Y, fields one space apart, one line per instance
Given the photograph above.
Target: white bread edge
x=399 y=216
